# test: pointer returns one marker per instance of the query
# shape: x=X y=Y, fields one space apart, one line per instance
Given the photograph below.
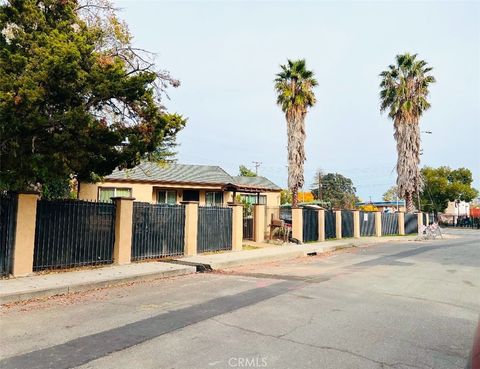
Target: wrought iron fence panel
x=347 y=223
x=72 y=233
x=425 y=219
x=214 y=228
x=367 y=223
x=158 y=230
x=248 y=228
x=330 y=228
x=389 y=223
x=411 y=223
x=8 y=215
x=310 y=225
x=286 y=214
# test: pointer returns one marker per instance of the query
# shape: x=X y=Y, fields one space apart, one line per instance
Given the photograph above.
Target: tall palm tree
x=404 y=92
x=294 y=87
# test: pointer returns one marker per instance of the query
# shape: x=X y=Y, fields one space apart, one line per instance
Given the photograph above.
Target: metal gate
x=367 y=223
x=72 y=233
x=158 y=230
x=389 y=223
x=8 y=215
x=310 y=225
x=248 y=222
x=411 y=223
x=330 y=227
x=214 y=228
x=347 y=223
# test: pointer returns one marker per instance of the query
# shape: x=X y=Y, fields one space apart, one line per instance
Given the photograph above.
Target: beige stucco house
x=174 y=183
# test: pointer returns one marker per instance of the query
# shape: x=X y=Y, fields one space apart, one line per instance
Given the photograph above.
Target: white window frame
x=167 y=191
x=100 y=188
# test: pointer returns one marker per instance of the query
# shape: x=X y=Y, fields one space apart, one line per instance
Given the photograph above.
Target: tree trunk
x=294 y=197
x=409 y=202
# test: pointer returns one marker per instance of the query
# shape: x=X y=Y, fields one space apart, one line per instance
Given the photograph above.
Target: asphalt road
x=396 y=305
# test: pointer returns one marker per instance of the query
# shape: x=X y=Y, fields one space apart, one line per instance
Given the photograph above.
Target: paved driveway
x=396 y=305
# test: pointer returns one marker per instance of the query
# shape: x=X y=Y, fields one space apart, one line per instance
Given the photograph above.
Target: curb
x=24 y=295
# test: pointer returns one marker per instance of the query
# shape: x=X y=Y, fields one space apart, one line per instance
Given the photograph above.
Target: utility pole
x=257 y=165
x=320 y=186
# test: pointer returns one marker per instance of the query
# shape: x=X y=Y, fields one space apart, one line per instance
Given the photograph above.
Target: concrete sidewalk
x=274 y=253
x=58 y=283
x=45 y=285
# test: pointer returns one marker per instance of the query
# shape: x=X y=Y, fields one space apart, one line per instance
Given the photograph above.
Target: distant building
x=386 y=206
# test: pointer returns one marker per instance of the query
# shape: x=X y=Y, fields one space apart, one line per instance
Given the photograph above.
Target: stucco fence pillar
x=237 y=226
x=191 y=228
x=401 y=223
x=378 y=224
x=122 y=249
x=297 y=224
x=321 y=225
x=23 y=249
x=338 y=224
x=356 y=224
x=420 y=222
x=259 y=222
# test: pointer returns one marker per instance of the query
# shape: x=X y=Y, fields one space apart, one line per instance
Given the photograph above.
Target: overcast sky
x=226 y=55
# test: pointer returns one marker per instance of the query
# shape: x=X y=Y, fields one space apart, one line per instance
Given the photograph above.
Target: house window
x=214 y=198
x=167 y=197
x=252 y=199
x=105 y=194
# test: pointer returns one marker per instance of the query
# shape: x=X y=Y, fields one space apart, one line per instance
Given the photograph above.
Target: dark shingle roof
x=174 y=173
x=186 y=173
x=260 y=182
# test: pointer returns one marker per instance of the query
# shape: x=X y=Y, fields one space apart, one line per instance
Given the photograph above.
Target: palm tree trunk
x=294 y=197
x=410 y=207
x=296 y=152
x=409 y=180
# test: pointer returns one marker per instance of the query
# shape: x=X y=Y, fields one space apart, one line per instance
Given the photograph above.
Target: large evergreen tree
x=76 y=98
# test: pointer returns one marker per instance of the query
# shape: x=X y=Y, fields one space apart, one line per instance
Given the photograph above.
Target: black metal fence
x=73 y=233
x=248 y=228
x=8 y=215
x=411 y=223
x=286 y=214
x=330 y=227
x=367 y=223
x=347 y=223
x=425 y=219
x=389 y=223
x=310 y=225
x=214 y=228
x=158 y=230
